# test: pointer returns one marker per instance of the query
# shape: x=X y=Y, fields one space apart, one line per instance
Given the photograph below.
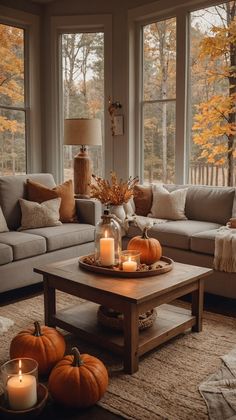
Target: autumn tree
x=215 y=120
x=11 y=95
x=159 y=87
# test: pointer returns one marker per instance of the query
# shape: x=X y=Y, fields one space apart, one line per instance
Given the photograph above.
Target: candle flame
x=129 y=259
x=20 y=370
x=105 y=234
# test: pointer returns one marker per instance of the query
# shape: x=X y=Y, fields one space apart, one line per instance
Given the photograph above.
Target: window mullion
x=181 y=98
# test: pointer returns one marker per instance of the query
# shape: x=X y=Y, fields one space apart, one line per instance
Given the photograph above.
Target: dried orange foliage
x=114 y=192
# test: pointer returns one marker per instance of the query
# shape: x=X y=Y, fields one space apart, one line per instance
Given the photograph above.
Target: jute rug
x=166 y=385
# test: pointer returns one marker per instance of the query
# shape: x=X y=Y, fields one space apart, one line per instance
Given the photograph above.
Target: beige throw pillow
x=168 y=205
x=35 y=215
x=3 y=223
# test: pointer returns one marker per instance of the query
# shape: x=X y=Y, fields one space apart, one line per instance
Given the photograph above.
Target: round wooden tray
x=163 y=266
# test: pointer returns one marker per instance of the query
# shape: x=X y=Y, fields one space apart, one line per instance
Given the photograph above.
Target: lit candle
x=22 y=391
x=129 y=265
x=107 y=251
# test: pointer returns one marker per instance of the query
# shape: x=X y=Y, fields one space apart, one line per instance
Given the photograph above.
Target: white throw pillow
x=35 y=215
x=3 y=223
x=168 y=205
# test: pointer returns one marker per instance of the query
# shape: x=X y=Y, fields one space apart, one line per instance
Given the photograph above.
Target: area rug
x=166 y=384
x=219 y=390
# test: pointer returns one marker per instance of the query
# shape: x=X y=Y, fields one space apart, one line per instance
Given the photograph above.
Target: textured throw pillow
x=39 y=193
x=142 y=199
x=168 y=205
x=35 y=215
x=3 y=223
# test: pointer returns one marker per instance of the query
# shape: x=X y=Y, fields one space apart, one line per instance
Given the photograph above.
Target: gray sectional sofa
x=21 y=251
x=192 y=241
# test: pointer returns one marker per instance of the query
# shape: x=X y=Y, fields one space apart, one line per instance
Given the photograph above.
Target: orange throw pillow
x=39 y=193
x=142 y=199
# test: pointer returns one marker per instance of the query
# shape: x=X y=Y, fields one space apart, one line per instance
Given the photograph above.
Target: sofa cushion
x=142 y=199
x=69 y=234
x=35 y=215
x=38 y=192
x=176 y=234
x=204 y=242
x=6 y=254
x=11 y=189
x=210 y=204
x=3 y=223
x=23 y=244
x=168 y=205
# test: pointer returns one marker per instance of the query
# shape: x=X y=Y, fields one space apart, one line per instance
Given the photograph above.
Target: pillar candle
x=107 y=251
x=22 y=391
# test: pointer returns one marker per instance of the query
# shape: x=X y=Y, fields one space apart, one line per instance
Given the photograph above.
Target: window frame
x=32 y=107
x=138 y=18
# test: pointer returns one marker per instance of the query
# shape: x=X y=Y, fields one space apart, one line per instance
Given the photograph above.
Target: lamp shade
x=83 y=131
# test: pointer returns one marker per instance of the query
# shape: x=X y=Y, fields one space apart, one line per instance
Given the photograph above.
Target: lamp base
x=82 y=174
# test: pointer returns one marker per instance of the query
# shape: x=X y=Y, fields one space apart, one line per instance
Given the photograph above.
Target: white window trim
x=59 y=25
x=137 y=18
x=30 y=23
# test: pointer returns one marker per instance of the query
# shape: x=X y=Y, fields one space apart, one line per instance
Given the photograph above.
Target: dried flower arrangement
x=114 y=192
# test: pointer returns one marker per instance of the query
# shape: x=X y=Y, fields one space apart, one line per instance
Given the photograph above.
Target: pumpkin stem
x=77 y=357
x=145 y=235
x=37 y=331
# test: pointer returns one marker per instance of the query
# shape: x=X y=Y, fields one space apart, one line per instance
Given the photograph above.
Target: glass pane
x=11 y=66
x=12 y=142
x=159 y=60
x=159 y=142
x=83 y=89
x=213 y=95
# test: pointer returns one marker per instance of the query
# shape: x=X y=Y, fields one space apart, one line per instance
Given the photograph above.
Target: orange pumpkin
x=44 y=344
x=150 y=248
x=78 y=380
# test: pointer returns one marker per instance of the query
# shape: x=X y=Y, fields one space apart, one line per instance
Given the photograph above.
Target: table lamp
x=83 y=132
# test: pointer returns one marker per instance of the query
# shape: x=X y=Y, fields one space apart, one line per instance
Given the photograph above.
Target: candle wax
x=129 y=265
x=22 y=392
x=107 y=251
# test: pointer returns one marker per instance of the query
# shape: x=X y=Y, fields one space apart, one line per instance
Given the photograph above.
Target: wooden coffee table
x=129 y=296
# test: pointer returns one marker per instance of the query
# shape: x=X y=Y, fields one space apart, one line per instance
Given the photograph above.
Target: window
x=158 y=110
x=83 y=88
x=213 y=95
x=12 y=101
x=187 y=117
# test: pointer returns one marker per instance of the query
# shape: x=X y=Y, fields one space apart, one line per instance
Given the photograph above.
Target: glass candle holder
x=20 y=378
x=107 y=241
x=130 y=260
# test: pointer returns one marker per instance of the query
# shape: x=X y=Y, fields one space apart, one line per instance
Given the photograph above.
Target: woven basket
x=114 y=320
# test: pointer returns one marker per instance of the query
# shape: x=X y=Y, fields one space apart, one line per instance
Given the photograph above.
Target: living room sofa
x=192 y=241
x=21 y=251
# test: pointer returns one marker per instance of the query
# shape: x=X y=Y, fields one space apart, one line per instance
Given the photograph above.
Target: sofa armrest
x=88 y=210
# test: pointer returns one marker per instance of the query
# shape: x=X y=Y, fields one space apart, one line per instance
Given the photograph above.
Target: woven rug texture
x=166 y=384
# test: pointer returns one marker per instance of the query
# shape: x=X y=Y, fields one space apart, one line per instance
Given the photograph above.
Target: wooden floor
x=212 y=303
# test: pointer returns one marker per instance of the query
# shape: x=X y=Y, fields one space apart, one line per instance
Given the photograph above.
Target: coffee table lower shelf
x=82 y=321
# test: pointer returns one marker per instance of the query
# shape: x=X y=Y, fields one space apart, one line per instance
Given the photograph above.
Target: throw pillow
x=142 y=199
x=35 y=215
x=39 y=193
x=3 y=223
x=168 y=205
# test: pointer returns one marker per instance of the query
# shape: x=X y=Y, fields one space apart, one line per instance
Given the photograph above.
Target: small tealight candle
x=129 y=265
